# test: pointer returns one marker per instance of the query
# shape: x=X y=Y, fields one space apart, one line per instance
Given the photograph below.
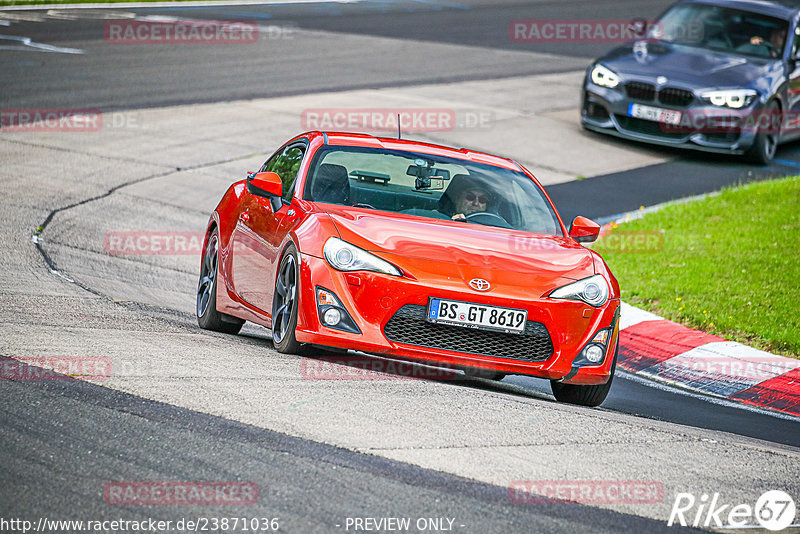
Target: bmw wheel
x=766 y=142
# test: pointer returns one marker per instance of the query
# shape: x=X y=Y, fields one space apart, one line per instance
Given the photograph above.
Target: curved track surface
x=183 y=404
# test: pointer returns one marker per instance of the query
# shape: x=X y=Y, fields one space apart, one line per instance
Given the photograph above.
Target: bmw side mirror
x=584 y=230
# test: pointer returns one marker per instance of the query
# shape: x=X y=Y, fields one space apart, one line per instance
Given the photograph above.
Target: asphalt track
x=113 y=434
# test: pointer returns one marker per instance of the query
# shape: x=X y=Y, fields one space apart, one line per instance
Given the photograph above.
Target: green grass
x=730 y=264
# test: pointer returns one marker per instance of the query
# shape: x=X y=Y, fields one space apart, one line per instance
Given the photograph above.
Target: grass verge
x=728 y=264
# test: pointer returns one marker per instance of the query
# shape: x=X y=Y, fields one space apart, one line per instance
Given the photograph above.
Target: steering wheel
x=487 y=218
x=773 y=52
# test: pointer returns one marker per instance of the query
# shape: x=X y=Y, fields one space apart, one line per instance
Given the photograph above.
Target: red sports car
x=413 y=251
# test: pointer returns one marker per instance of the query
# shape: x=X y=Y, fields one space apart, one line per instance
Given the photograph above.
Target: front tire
x=285 y=301
x=207 y=315
x=591 y=396
x=766 y=143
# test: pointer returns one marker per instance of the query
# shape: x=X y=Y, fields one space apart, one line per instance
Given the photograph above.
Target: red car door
x=260 y=231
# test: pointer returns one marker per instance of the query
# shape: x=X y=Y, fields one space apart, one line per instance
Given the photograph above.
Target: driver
x=464 y=196
x=777 y=39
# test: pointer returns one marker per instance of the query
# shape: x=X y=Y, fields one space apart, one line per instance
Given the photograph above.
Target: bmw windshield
x=722 y=29
x=430 y=186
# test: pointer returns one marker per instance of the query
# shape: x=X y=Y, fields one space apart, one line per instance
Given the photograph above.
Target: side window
x=796 y=46
x=286 y=164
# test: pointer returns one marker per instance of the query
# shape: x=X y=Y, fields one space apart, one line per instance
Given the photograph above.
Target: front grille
x=655 y=129
x=640 y=91
x=409 y=326
x=671 y=96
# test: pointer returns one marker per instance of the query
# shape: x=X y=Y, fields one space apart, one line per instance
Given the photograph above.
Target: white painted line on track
x=26 y=43
x=176 y=4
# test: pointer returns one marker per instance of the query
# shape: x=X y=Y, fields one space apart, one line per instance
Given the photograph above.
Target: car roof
x=366 y=140
x=783 y=9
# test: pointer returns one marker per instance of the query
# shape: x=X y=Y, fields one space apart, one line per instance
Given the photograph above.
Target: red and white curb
x=662 y=350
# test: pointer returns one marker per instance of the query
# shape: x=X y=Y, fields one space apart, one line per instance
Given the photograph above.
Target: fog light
x=332 y=316
x=594 y=353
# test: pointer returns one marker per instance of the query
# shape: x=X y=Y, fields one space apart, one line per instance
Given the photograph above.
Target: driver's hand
x=756 y=40
x=459 y=217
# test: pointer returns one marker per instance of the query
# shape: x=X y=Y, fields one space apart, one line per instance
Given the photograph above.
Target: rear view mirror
x=264 y=184
x=428 y=177
x=584 y=230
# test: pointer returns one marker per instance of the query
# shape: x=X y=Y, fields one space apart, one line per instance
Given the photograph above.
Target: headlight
x=592 y=291
x=343 y=256
x=730 y=98
x=604 y=76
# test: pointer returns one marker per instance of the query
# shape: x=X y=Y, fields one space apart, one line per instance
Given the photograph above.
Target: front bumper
x=710 y=128
x=375 y=300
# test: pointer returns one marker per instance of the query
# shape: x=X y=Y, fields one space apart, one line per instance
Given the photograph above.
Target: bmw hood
x=690 y=67
x=402 y=239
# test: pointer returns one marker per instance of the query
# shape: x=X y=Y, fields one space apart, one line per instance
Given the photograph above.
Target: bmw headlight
x=343 y=256
x=604 y=76
x=593 y=291
x=730 y=98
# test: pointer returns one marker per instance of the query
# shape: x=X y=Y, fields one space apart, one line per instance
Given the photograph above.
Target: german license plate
x=651 y=113
x=470 y=315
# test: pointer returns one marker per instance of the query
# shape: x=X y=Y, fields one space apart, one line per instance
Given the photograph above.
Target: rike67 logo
x=774 y=510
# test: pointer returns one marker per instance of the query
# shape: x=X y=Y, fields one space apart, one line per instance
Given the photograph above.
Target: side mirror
x=264 y=184
x=584 y=230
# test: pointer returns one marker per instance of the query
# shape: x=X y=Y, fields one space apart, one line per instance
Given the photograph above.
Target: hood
x=417 y=244
x=693 y=68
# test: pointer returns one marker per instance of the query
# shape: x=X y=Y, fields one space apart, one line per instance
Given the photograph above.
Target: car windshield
x=436 y=187
x=722 y=28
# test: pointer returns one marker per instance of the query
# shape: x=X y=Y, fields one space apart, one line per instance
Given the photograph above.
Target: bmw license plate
x=472 y=315
x=650 y=113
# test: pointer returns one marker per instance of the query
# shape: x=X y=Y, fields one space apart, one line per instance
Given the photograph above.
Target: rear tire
x=591 y=396
x=285 y=301
x=207 y=315
x=766 y=143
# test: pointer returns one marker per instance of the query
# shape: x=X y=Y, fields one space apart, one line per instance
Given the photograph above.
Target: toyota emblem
x=479 y=284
